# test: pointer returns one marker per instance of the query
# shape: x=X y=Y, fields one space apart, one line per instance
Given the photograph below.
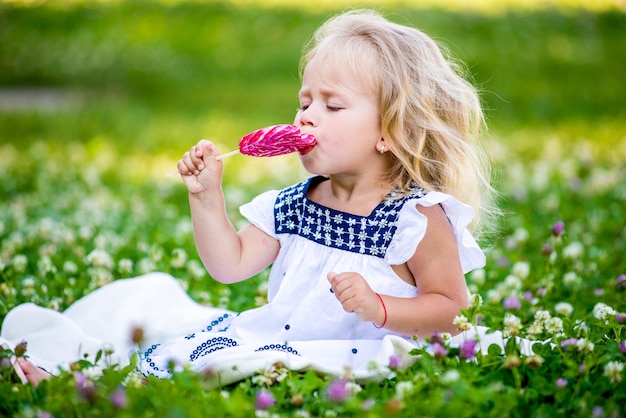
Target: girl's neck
x=349 y=194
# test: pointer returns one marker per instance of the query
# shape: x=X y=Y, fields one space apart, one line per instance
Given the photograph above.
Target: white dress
x=303 y=325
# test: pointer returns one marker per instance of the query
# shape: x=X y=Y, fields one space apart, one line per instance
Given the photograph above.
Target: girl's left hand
x=356 y=295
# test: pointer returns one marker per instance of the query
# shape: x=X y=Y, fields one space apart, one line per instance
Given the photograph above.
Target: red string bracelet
x=384 y=309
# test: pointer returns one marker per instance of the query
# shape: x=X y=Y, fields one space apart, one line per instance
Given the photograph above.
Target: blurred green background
x=126 y=87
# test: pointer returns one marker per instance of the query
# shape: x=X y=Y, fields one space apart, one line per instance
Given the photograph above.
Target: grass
x=99 y=99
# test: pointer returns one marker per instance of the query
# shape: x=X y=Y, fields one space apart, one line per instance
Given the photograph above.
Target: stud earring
x=382 y=149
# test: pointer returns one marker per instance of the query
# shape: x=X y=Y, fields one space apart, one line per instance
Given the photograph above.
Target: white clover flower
x=450 y=376
x=512 y=325
x=70 y=267
x=146 y=265
x=100 y=276
x=542 y=316
x=536 y=328
x=352 y=387
x=461 y=323
x=513 y=282
x=100 y=258
x=573 y=250
x=521 y=269
x=125 y=266
x=55 y=304
x=494 y=296
x=446 y=336
x=554 y=325
x=20 y=261
x=584 y=345
x=403 y=389
x=45 y=266
x=478 y=276
x=195 y=269
x=563 y=308
x=601 y=311
x=475 y=300
x=179 y=258
x=571 y=279
x=521 y=235
x=614 y=370
x=85 y=232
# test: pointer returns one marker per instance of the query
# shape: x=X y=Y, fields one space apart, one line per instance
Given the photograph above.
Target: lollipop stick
x=228 y=154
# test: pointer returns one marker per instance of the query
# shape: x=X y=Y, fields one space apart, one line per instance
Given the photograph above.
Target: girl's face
x=343 y=115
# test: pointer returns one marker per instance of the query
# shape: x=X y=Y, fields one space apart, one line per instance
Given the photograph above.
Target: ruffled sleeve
x=260 y=212
x=412 y=227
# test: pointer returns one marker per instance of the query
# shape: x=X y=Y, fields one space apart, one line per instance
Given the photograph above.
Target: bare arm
x=439 y=278
x=229 y=256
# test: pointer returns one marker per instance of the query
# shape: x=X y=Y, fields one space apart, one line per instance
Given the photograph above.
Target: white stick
x=219 y=157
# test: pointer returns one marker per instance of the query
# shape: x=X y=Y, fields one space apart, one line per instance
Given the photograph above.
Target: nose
x=305 y=117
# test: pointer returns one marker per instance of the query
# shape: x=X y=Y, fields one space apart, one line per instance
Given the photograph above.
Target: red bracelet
x=384 y=309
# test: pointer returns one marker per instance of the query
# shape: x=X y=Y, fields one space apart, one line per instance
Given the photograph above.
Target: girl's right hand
x=199 y=169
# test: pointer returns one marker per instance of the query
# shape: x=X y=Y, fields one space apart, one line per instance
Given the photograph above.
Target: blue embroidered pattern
x=295 y=214
x=211 y=345
x=278 y=347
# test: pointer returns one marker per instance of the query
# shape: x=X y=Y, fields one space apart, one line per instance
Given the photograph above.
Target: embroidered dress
x=303 y=325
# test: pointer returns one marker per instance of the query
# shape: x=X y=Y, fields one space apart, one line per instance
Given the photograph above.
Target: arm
x=439 y=278
x=229 y=256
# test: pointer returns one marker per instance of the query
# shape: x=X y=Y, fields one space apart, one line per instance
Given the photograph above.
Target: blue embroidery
x=372 y=235
x=211 y=345
x=216 y=322
x=278 y=347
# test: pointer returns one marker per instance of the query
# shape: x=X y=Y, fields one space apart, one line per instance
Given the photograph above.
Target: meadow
x=98 y=100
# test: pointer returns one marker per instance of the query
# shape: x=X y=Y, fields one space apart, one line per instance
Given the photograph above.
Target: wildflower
x=620 y=317
x=20 y=261
x=118 y=398
x=561 y=383
x=597 y=412
x=511 y=361
x=137 y=335
x=521 y=269
x=547 y=250
x=450 y=376
x=534 y=361
x=44 y=414
x=512 y=303
x=195 y=269
x=598 y=291
x=513 y=282
x=20 y=349
x=512 y=325
x=100 y=258
x=45 y=265
x=264 y=399
x=439 y=351
x=573 y=251
x=535 y=328
x=528 y=297
x=403 y=389
x=468 y=349
x=478 y=276
x=461 y=323
x=70 y=267
x=86 y=388
x=394 y=361
x=179 y=258
x=621 y=281
x=601 y=311
x=571 y=279
x=558 y=228
x=296 y=399
x=125 y=266
x=146 y=265
x=337 y=391
x=622 y=346
x=563 y=308
x=475 y=300
x=613 y=370
x=584 y=345
x=554 y=325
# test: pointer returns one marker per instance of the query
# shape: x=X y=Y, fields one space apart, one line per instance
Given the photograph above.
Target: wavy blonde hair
x=431 y=117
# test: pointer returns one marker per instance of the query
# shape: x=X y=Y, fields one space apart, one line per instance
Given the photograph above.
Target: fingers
x=194 y=160
x=350 y=289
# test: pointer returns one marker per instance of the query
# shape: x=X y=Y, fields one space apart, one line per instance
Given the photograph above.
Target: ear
x=381 y=146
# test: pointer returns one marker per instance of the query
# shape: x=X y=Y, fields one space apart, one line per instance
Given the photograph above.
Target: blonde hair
x=431 y=117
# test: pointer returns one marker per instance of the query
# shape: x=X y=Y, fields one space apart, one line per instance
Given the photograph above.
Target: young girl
x=370 y=251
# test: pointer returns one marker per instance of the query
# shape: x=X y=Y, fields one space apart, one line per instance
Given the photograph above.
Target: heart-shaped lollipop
x=274 y=140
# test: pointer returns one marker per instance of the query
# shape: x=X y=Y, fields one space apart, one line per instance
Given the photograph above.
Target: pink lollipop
x=274 y=140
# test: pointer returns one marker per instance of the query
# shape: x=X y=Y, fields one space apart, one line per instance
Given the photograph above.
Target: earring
x=382 y=149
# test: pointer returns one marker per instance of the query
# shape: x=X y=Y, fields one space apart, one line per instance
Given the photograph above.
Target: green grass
x=134 y=84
